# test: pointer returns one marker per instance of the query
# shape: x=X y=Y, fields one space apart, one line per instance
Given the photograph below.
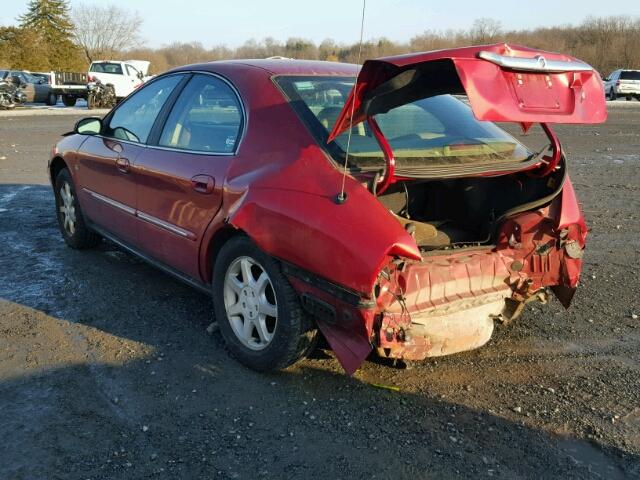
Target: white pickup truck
x=125 y=76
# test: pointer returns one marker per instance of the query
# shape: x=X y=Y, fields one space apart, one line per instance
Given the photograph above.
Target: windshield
x=630 y=75
x=106 y=67
x=434 y=130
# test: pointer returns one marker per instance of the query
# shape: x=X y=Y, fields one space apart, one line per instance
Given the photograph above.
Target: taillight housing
x=617 y=83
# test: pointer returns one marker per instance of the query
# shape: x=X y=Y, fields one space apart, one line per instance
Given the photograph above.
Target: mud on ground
x=106 y=370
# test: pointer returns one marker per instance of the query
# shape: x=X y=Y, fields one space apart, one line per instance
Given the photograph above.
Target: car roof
x=283 y=66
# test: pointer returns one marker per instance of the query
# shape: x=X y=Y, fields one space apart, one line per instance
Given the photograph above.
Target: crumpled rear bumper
x=447 y=302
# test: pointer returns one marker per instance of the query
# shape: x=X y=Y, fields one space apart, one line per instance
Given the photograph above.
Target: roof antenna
x=342 y=196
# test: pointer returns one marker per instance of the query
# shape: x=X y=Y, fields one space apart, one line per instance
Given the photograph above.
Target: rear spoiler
x=504 y=83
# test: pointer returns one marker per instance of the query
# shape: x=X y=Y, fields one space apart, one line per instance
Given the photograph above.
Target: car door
x=134 y=76
x=41 y=89
x=108 y=185
x=27 y=88
x=613 y=80
x=181 y=176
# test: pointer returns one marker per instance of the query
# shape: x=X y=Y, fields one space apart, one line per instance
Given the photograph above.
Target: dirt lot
x=106 y=370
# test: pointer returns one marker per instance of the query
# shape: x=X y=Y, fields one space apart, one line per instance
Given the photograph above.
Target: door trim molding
x=181 y=232
x=111 y=202
x=169 y=227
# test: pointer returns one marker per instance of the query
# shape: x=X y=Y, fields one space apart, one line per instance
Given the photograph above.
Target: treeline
x=52 y=36
x=606 y=43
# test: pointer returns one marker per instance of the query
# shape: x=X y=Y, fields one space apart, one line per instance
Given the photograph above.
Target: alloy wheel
x=250 y=303
x=68 y=209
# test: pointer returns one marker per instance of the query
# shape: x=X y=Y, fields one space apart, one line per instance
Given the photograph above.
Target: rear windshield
x=630 y=75
x=434 y=130
x=106 y=67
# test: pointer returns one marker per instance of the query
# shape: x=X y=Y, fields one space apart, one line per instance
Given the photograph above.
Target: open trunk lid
x=504 y=83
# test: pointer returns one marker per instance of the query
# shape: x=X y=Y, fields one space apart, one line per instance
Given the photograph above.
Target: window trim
x=156 y=131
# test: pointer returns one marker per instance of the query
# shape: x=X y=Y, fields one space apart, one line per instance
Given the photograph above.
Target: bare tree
x=485 y=30
x=102 y=31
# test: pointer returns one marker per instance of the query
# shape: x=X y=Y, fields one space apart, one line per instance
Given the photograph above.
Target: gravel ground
x=106 y=369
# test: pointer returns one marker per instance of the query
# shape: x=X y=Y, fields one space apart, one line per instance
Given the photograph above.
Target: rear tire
x=52 y=99
x=91 y=101
x=69 y=100
x=629 y=98
x=74 y=229
x=258 y=311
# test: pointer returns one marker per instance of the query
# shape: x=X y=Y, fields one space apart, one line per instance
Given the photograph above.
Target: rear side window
x=134 y=118
x=106 y=67
x=630 y=75
x=206 y=117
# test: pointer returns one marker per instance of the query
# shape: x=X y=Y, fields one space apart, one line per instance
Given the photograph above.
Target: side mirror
x=88 y=126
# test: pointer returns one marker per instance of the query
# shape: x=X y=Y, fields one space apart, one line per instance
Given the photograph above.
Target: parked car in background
x=125 y=76
x=623 y=83
x=35 y=87
x=231 y=176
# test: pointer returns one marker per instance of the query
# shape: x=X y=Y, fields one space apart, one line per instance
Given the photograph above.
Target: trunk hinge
x=390 y=161
x=551 y=161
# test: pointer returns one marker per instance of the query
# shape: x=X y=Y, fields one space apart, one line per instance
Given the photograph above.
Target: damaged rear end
x=497 y=225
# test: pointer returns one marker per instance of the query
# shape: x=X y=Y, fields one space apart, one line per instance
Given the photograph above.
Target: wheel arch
x=57 y=163
x=213 y=246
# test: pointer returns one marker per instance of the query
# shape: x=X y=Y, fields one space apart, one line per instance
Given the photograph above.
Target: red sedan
x=391 y=216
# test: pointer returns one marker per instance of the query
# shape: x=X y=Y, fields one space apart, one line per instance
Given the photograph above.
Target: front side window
x=134 y=118
x=132 y=72
x=206 y=117
x=434 y=130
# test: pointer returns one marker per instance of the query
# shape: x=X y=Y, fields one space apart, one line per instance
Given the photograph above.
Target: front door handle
x=203 y=183
x=123 y=164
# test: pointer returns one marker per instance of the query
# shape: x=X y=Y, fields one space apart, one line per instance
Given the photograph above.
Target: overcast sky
x=232 y=22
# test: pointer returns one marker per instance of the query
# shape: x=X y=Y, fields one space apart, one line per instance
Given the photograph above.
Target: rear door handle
x=123 y=164
x=203 y=183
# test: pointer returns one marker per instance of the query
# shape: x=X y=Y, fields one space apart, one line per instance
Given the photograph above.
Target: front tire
x=70 y=220
x=258 y=311
x=52 y=99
